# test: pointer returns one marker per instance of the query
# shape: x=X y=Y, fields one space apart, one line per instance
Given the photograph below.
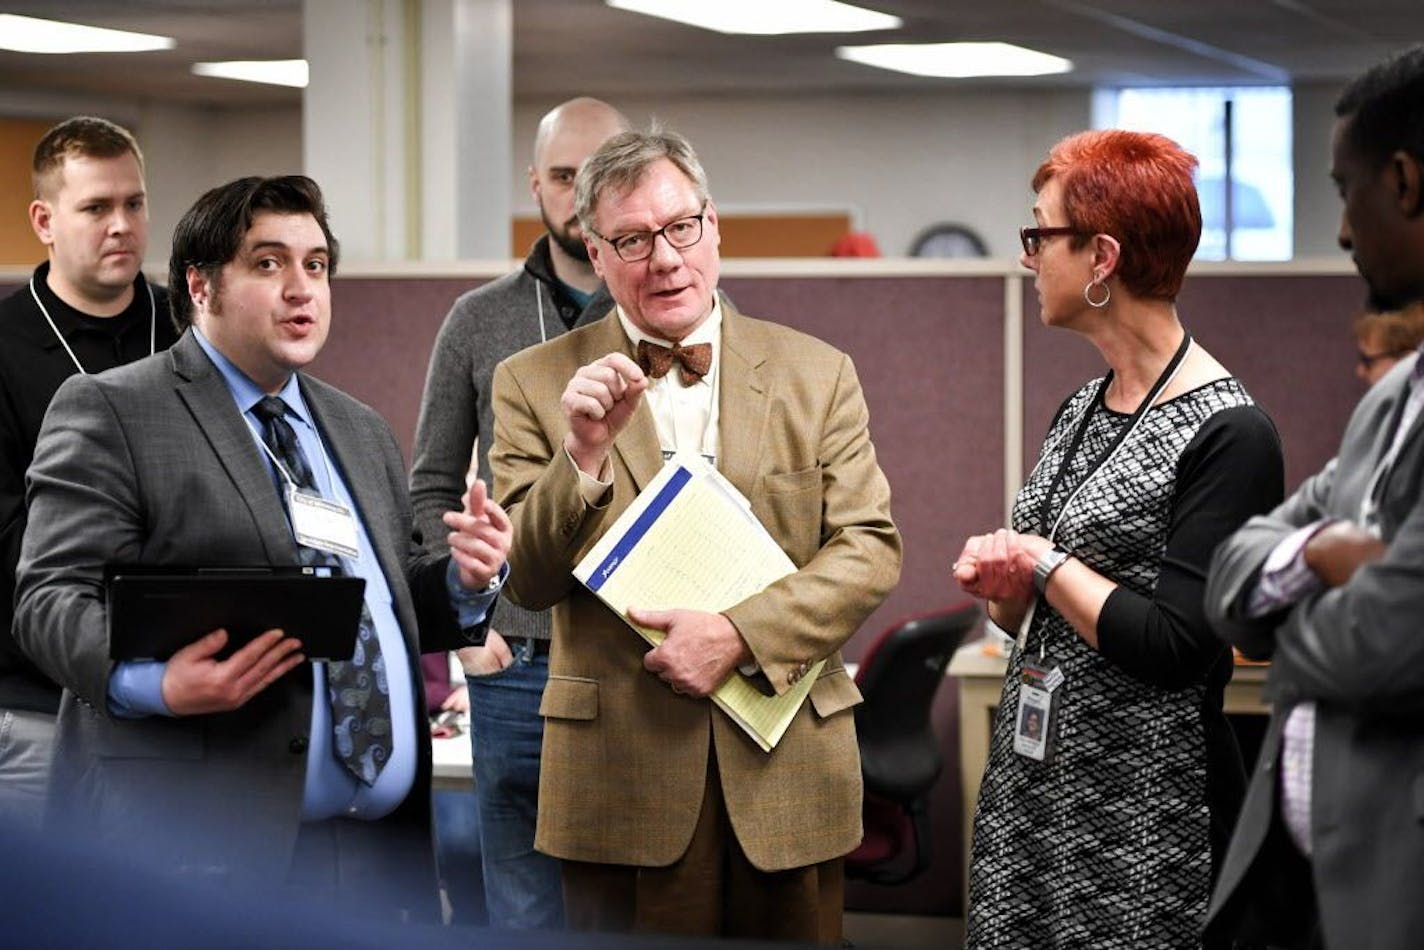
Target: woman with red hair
x=1101 y=825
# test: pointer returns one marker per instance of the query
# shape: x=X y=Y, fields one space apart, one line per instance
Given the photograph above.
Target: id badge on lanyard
x=325 y=525
x=317 y=522
x=1036 y=719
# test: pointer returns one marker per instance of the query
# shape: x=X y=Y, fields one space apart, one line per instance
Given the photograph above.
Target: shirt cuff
x=136 y=689
x=473 y=606
x=591 y=489
x=1285 y=577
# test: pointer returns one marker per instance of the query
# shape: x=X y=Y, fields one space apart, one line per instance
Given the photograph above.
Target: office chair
x=899 y=754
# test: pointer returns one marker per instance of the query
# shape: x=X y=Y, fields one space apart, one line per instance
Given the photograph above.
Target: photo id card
x=1034 y=720
x=325 y=525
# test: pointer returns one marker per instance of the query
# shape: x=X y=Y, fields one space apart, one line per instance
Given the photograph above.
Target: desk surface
x=453 y=761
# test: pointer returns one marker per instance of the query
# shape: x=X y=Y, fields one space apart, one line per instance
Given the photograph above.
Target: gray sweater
x=483 y=327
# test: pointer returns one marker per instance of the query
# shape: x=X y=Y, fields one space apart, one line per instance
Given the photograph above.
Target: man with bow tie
x=665 y=815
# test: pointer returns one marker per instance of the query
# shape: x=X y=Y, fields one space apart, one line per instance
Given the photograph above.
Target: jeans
x=522 y=887
x=457 y=855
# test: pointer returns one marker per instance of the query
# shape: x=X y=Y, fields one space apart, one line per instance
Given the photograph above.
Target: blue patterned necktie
x=360 y=695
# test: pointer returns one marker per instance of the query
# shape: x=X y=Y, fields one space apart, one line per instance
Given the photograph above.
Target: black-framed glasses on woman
x=1032 y=238
x=637 y=246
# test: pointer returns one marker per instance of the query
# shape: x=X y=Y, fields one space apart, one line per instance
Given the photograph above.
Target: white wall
x=901 y=162
x=189 y=150
x=1317 y=206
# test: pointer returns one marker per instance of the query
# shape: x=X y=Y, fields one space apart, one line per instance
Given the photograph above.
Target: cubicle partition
x=956 y=366
x=961 y=379
x=1284 y=332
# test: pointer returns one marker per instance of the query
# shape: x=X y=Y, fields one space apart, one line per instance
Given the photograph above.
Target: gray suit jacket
x=1357 y=651
x=152 y=463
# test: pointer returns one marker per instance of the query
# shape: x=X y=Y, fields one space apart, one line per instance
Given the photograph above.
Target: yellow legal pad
x=691 y=541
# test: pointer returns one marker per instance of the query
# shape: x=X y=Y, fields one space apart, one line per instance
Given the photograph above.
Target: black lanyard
x=1045 y=525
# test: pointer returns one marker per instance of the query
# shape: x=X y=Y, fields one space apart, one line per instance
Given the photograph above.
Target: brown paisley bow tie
x=693 y=361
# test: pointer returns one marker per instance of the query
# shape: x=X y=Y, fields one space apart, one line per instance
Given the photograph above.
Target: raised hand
x=598 y=402
x=480 y=537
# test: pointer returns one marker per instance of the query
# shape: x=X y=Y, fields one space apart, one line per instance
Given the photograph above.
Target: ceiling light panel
x=276 y=72
x=24 y=34
x=765 y=18
x=956 y=60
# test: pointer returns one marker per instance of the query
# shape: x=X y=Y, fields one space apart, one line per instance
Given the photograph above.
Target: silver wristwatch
x=1052 y=559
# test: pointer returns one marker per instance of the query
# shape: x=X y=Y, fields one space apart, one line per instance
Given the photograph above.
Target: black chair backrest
x=899 y=677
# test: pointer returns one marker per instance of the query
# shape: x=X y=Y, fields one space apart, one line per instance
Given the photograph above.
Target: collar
x=709 y=331
x=244 y=391
x=540 y=265
x=70 y=319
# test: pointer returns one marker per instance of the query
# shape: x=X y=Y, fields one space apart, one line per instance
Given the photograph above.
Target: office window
x=1239 y=135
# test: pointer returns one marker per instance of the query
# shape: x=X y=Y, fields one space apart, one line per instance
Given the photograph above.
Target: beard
x=564 y=237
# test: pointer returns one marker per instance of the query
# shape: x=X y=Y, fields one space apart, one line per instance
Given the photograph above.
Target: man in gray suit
x=1330 y=843
x=249 y=767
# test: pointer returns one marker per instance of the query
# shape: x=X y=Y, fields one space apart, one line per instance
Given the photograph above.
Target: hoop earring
x=1097 y=304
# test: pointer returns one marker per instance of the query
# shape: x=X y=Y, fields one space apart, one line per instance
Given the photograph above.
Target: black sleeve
x=1231 y=470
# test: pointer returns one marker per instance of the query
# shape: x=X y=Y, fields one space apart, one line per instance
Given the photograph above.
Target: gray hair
x=621 y=161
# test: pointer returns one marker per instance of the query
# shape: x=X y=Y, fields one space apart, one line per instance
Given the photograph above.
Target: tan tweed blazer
x=624 y=758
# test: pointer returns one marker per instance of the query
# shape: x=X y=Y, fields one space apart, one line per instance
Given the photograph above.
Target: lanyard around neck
x=282 y=469
x=152 y=325
x=1169 y=372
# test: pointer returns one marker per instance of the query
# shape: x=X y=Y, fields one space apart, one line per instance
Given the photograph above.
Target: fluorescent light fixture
x=277 y=72
x=956 y=60
x=25 y=34
x=764 y=17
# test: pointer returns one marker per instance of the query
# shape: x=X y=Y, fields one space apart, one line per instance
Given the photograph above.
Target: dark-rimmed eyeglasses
x=638 y=246
x=1032 y=238
x=1368 y=360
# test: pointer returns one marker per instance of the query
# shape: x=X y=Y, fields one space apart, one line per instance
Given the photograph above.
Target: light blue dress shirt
x=135 y=688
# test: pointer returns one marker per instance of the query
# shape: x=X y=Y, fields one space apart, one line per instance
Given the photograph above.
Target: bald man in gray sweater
x=553 y=292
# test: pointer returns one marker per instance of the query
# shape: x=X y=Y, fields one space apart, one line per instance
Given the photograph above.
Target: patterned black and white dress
x=1110 y=843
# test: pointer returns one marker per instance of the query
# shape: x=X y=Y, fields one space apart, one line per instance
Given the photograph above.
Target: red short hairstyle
x=1137 y=187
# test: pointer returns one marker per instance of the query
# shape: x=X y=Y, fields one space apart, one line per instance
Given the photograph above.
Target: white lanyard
x=152 y=325
x=539 y=299
x=282 y=469
x=317 y=522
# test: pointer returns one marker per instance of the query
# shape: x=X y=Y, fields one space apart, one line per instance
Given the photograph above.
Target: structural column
x=406 y=125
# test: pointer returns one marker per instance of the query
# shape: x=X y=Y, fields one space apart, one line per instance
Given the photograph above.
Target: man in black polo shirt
x=85 y=309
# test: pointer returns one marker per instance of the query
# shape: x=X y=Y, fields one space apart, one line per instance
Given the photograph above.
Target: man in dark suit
x=86 y=309
x=247 y=767
x=1330 y=586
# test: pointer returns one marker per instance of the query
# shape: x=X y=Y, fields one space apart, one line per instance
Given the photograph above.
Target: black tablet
x=155 y=611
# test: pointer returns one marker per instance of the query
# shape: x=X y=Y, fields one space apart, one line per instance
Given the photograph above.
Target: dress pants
x=26 y=747
x=712 y=890
x=364 y=869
